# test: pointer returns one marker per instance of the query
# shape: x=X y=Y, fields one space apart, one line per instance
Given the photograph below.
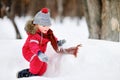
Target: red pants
x=37 y=66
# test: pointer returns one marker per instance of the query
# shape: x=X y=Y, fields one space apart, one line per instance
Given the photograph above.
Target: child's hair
x=30 y=27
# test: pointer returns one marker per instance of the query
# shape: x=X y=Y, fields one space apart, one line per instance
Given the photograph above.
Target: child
x=39 y=34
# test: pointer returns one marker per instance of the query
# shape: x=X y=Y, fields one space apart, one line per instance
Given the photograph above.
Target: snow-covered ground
x=97 y=59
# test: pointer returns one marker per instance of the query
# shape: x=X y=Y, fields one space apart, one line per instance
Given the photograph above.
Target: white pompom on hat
x=42 y=17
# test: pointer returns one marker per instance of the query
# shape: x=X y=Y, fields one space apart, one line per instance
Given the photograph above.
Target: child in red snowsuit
x=39 y=34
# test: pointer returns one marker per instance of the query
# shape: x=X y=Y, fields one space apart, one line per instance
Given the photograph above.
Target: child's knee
x=35 y=65
x=43 y=69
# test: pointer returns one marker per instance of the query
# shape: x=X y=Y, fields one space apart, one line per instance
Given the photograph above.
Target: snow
x=6 y=29
x=97 y=59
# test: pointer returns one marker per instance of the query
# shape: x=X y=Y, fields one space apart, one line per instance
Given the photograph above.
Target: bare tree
x=110 y=20
x=103 y=18
x=60 y=9
x=80 y=8
x=69 y=8
x=8 y=8
x=93 y=15
x=52 y=5
x=35 y=6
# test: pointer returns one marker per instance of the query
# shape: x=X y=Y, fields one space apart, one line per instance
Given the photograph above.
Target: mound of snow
x=97 y=60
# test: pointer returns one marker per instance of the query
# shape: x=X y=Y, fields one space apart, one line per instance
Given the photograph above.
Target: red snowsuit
x=34 y=43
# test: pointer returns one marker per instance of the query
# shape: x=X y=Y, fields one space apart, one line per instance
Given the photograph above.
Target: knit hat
x=42 y=17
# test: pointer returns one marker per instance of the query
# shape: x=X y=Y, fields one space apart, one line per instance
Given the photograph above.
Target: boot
x=25 y=73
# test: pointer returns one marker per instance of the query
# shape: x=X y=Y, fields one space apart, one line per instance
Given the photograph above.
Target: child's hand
x=42 y=57
x=61 y=42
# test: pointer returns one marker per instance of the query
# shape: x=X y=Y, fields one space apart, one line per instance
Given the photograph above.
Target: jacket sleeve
x=50 y=32
x=34 y=44
x=56 y=38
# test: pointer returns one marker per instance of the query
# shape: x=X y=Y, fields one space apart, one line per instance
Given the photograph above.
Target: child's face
x=43 y=29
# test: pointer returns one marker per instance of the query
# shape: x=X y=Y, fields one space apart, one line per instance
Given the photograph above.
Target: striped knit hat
x=42 y=17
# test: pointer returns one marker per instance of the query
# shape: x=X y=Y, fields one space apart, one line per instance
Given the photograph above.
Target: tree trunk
x=110 y=20
x=18 y=36
x=11 y=16
x=35 y=6
x=52 y=5
x=10 y=13
x=60 y=9
x=103 y=18
x=69 y=8
x=93 y=16
x=80 y=9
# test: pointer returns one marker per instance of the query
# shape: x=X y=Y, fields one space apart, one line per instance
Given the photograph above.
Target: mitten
x=61 y=42
x=42 y=56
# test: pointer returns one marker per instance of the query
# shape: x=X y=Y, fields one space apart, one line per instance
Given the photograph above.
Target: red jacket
x=34 y=43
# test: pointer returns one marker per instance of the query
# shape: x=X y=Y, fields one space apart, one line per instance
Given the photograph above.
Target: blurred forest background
x=102 y=16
